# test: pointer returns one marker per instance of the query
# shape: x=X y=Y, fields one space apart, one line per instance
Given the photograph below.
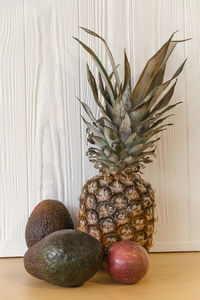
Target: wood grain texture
x=192 y=91
x=13 y=146
x=171 y=182
x=93 y=15
x=52 y=80
x=43 y=140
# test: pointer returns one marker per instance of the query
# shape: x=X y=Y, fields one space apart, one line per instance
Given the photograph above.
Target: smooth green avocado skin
x=66 y=258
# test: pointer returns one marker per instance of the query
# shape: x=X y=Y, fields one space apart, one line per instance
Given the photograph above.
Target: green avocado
x=65 y=257
x=48 y=216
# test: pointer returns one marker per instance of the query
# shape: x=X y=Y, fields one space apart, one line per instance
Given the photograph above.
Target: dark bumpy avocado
x=66 y=258
x=48 y=216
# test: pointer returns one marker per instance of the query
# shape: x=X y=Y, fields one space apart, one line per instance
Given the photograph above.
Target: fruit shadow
x=102 y=278
x=27 y=282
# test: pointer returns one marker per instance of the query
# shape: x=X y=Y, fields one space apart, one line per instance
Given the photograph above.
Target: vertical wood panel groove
x=187 y=124
x=27 y=173
x=79 y=79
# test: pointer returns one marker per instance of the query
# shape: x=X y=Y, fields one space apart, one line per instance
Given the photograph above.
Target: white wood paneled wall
x=42 y=138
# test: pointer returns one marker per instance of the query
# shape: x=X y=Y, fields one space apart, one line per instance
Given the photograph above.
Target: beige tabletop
x=172 y=276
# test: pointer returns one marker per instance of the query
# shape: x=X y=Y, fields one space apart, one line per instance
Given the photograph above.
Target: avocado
x=65 y=257
x=48 y=216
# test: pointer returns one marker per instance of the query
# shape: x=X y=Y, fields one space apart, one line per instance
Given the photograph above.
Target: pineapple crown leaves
x=124 y=136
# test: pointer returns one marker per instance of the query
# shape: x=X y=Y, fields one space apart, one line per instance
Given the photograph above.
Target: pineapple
x=118 y=204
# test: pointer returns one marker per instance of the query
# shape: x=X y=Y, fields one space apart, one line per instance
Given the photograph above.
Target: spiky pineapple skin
x=116 y=207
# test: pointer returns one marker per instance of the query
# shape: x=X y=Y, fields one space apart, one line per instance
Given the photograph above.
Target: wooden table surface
x=172 y=276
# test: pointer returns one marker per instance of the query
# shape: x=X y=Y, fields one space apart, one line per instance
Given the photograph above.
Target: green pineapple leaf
x=87 y=110
x=125 y=135
x=112 y=139
x=119 y=111
x=115 y=72
x=127 y=73
x=93 y=128
x=101 y=69
x=165 y=100
x=125 y=127
x=150 y=71
x=168 y=108
x=99 y=141
x=103 y=91
x=93 y=86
